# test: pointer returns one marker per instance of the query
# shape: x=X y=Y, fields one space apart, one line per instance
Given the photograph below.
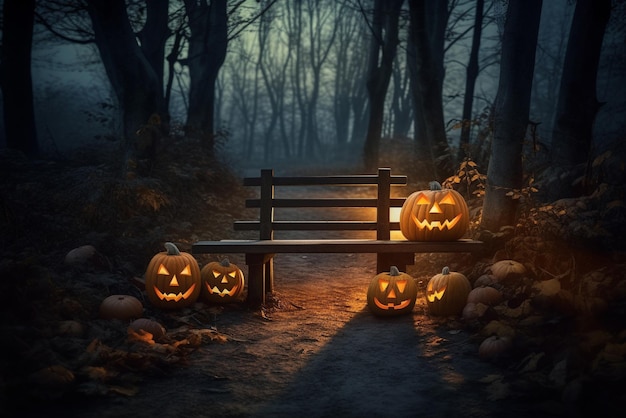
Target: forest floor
x=314 y=349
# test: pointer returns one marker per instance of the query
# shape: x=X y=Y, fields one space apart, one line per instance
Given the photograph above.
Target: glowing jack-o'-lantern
x=223 y=282
x=173 y=279
x=434 y=215
x=392 y=293
x=446 y=293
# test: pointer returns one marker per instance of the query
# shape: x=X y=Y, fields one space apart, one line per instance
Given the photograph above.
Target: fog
x=74 y=105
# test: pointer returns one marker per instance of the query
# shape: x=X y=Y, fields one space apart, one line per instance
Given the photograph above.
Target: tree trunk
x=428 y=19
x=207 y=51
x=401 y=105
x=511 y=112
x=133 y=79
x=153 y=37
x=577 y=106
x=470 y=82
x=16 y=78
x=382 y=53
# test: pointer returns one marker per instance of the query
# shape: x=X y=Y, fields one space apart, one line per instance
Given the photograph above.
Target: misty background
x=75 y=106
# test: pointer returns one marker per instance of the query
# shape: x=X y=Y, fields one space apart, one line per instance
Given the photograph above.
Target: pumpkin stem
x=225 y=262
x=435 y=185
x=445 y=271
x=171 y=248
x=393 y=271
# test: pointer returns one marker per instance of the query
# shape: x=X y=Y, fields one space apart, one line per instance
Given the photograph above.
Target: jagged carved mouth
x=224 y=292
x=430 y=225
x=174 y=296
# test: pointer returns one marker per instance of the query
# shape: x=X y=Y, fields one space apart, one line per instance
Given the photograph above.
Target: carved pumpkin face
x=434 y=215
x=446 y=293
x=173 y=279
x=392 y=293
x=223 y=282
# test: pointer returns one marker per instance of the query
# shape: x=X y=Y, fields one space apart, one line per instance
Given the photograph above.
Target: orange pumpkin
x=173 y=279
x=123 y=307
x=392 y=293
x=223 y=282
x=434 y=215
x=494 y=346
x=446 y=293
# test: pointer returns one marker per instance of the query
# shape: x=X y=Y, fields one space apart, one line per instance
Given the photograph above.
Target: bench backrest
x=382 y=202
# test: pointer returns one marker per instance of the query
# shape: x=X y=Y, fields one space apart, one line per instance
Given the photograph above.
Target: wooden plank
x=314 y=226
x=334 y=246
x=325 y=203
x=358 y=179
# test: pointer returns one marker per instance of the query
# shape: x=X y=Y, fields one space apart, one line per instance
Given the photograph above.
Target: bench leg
x=269 y=275
x=260 y=277
x=384 y=261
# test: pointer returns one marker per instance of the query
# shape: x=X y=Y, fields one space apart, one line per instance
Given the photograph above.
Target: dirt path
x=322 y=354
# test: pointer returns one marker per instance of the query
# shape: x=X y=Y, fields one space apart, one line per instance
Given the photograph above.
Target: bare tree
x=427 y=26
x=133 y=80
x=471 y=74
x=153 y=37
x=349 y=81
x=273 y=64
x=15 y=76
x=208 y=41
x=577 y=105
x=512 y=108
x=383 y=45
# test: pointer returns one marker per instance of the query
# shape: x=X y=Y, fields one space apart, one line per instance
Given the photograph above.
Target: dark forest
x=203 y=146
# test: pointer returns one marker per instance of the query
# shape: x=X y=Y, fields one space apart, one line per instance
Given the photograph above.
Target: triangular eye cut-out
x=232 y=274
x=186 y=271
x=216 y=273
x=163 y=270
x=422 y=200
x=401 y=284
x=382 y=283
x=447 y=200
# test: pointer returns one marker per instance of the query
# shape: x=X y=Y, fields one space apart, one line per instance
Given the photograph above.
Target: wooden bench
x=259 y=254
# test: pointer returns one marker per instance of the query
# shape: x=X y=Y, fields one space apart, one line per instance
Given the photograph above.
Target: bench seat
x=333 y=246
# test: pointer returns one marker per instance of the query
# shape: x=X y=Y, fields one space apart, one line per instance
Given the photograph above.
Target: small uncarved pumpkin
x=223 y=282
x=507 y=269
x=123 y=307
x=494 y=346
x=434 y=215
x=391 y=293
x=485 y=294
x=173 y=279
x=446 y=293
x=155 y=329
x=474 y=310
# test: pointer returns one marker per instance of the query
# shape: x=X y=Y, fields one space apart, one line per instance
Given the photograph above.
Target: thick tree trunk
x=207 y=52
x=470 y=82
x=153 y=36
x=577 y=106
x=428 y=19
x=133 y=79
x=382 y=53
x=15 y=77
x=511 y=112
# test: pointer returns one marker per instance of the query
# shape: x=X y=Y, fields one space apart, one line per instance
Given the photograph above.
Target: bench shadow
x=375 y=367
